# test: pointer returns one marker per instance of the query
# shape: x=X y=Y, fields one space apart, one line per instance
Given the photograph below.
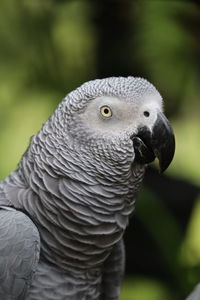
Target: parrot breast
x=80 y=212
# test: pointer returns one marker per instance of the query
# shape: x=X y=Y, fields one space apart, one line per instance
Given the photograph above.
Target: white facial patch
x=114 y=116
x=123 y=114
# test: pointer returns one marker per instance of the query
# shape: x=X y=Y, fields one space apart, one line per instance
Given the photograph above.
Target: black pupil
x=146 y=113
x=106 y=111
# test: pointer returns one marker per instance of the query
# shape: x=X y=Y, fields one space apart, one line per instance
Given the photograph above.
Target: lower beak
x=159 y=143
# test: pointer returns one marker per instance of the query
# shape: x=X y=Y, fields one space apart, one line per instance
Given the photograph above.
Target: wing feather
x=19 y=253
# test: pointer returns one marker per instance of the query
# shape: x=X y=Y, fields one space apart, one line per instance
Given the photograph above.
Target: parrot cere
x=64 y=210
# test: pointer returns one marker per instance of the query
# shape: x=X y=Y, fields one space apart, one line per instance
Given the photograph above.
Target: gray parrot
x=64 y=210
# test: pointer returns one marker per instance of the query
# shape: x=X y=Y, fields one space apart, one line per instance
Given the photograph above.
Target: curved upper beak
x=159 y=143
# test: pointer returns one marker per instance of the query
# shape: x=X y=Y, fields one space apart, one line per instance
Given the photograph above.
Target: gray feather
x=19 y=254
x=195 y=295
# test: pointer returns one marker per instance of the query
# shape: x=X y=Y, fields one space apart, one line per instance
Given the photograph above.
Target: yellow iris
x=106 y=111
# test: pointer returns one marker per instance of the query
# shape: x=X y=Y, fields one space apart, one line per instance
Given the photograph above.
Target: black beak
x=159 y=143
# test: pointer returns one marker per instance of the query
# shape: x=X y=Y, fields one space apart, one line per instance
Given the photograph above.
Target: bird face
x=112 y=116
x=125 y=111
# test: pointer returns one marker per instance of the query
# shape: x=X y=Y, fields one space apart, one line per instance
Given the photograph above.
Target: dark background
x=49 y=47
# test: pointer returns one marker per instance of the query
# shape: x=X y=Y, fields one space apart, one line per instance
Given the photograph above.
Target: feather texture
x=19 y=254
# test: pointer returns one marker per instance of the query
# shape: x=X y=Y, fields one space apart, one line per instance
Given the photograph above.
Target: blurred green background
x=49 y=47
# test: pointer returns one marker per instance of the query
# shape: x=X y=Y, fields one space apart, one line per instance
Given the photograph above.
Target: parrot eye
x=106 y=111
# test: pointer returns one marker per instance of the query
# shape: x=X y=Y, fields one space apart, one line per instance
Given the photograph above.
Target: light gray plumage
x=76 y=185
x=195 y=295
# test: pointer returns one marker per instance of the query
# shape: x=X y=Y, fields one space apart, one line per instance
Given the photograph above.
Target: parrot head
x=119 y=118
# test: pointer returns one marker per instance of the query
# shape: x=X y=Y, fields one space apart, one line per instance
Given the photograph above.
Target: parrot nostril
x=146 y=114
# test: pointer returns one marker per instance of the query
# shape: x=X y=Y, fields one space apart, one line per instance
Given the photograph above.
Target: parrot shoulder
x=19 y=253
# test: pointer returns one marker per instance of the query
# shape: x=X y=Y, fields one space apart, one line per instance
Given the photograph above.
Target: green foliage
x=187 y=148
x=166 y=49
x=144 y=289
